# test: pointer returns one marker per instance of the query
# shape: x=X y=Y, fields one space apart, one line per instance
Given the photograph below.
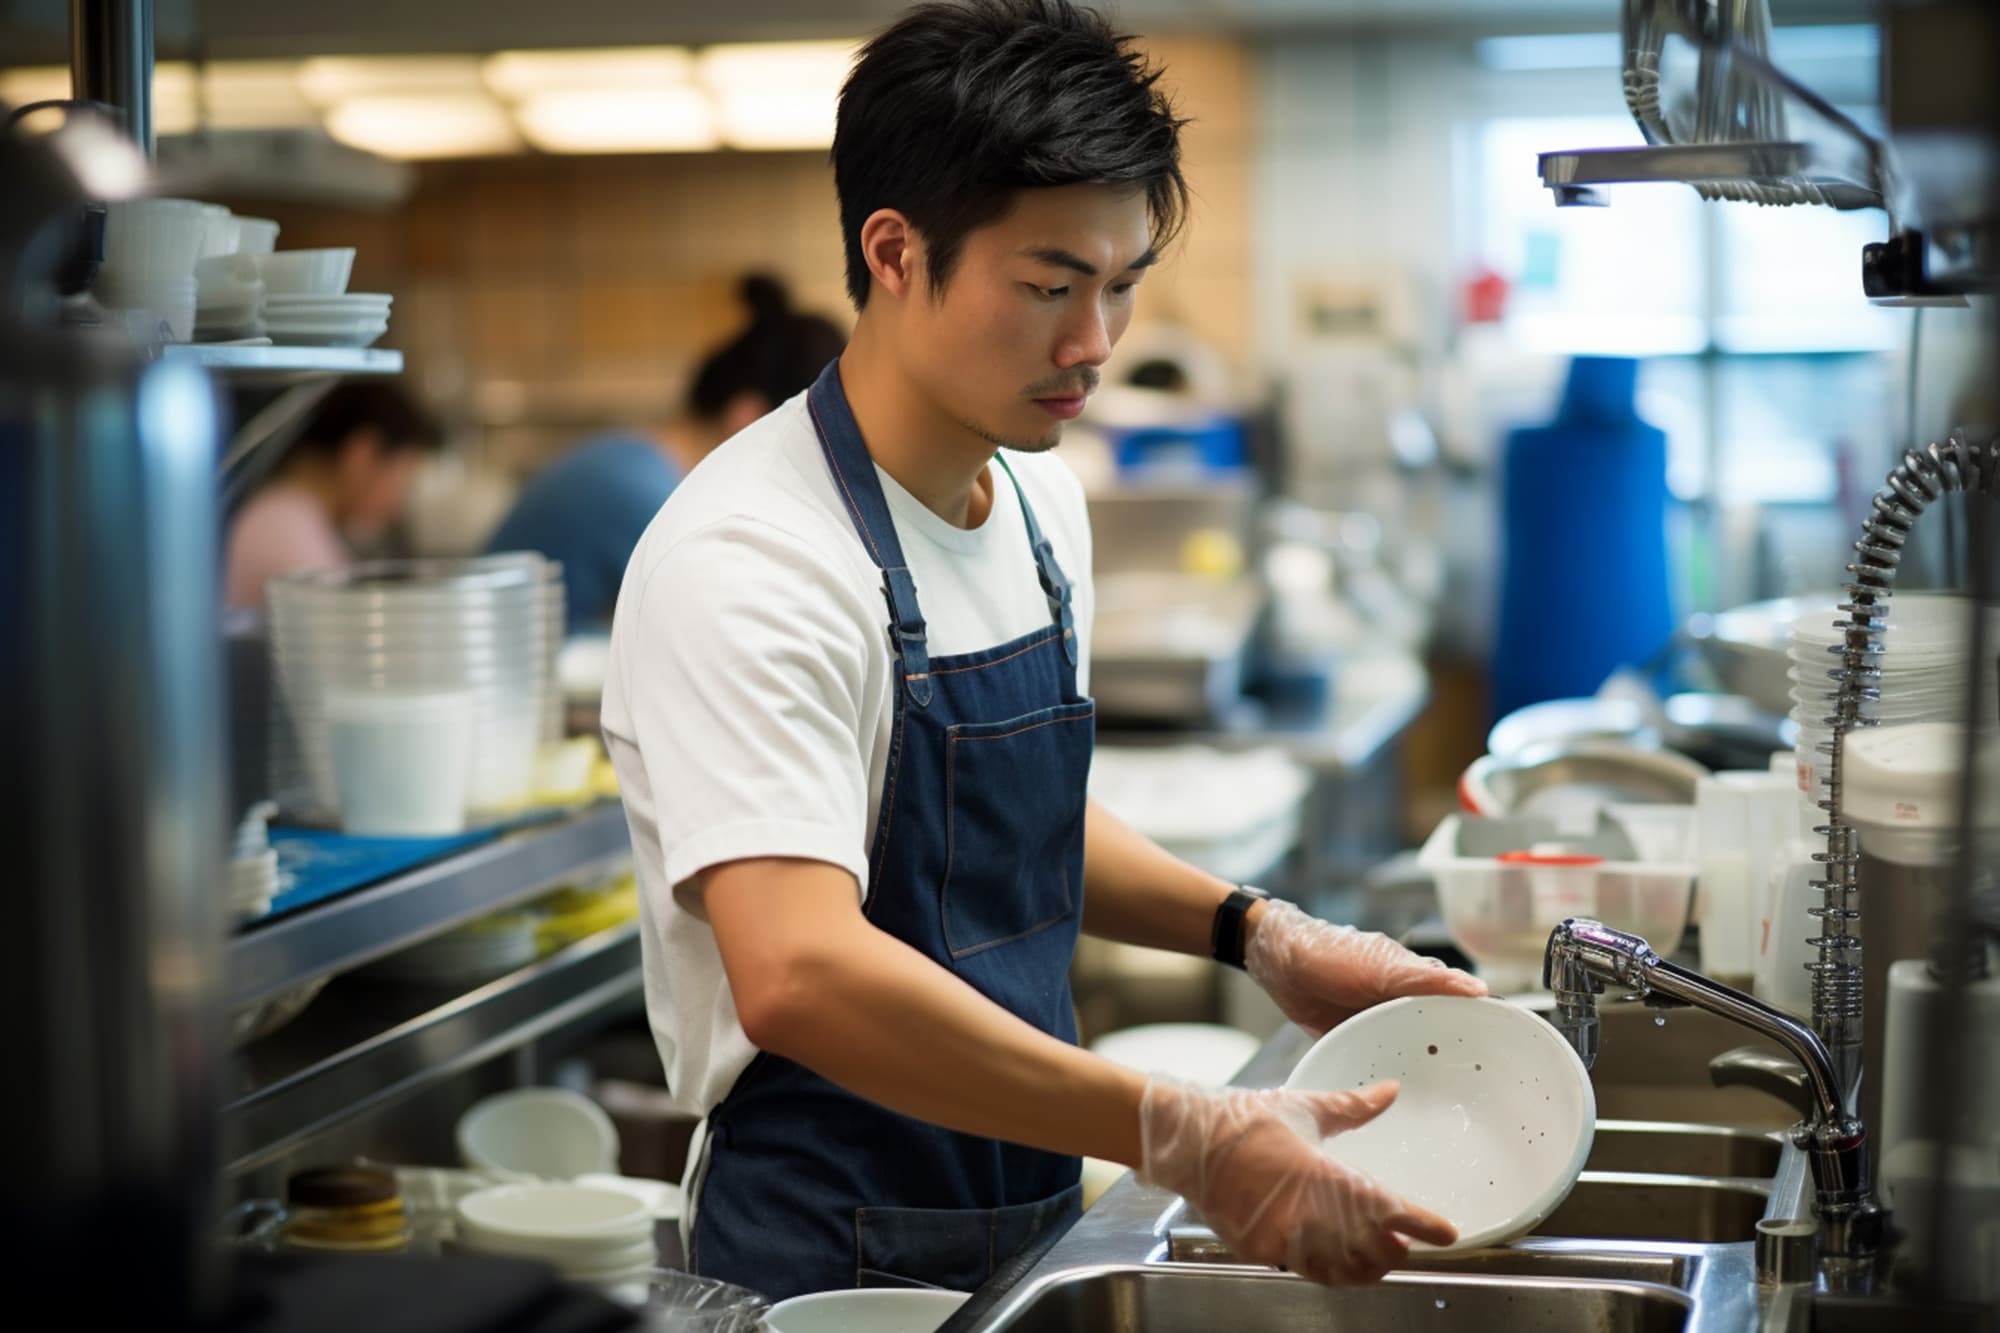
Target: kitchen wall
x=538 y=296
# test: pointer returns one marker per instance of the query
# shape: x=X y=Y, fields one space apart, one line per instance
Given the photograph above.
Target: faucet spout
x=1584 y=956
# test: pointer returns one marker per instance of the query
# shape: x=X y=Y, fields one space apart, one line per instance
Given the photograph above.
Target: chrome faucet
x=1584 y=956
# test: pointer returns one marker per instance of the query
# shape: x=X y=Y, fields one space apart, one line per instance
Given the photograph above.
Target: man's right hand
x=1249 y=1162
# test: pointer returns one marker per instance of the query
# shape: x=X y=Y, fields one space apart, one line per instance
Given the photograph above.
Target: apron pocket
x=1013 y=831
x=956 y=1249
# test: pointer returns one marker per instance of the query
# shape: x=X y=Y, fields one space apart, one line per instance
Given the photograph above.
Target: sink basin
x=1659 y=1071
x=1616 y=1206
x=1161 y=1300
x=1682 y=1150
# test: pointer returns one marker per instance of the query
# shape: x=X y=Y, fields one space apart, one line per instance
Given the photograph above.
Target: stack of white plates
x=485 y=629
x=351 y=319
x=587 y=1234
x=1926 y=669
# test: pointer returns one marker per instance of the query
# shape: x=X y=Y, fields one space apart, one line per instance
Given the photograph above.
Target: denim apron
x=977 y=863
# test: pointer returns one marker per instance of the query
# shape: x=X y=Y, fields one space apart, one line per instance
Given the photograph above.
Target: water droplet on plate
x=1659 y=1020
x=1441 y=1303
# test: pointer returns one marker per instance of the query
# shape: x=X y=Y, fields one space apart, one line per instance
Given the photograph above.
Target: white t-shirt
x=747 y=704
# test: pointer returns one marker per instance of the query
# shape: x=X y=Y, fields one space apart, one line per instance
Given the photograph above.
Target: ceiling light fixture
x=619 y=120
x=417 y=127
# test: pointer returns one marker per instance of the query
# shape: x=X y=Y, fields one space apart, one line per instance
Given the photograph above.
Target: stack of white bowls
x=306 y=301
x=413 y=694
x=587 y=1234
x=1926 y=669
x=150 y=247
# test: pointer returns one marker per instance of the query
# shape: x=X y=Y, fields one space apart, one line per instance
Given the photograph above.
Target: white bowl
x=549 y=1132
x=151 y=238
x=1205 y=1053
x=884 y=1310
x=1495 y=1116
x=220 y=232
x=256 y=236
x=664 y=1201
x=307 y=272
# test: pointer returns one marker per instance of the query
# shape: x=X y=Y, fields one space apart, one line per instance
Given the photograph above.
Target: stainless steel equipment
x=1854 y=678
x=1737 y=138
x=1585 y=956
x=1170 y=647
x=112 y=676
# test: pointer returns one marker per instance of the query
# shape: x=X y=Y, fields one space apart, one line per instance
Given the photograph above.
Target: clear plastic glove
x=1249 y=1162
x=1321 y=974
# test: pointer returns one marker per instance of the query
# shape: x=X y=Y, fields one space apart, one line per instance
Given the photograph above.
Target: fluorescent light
x=777 y=66
x=619 y=120
x=777 y=119
x=331 y=79
x=423 y=126
x=254 y=94
x=777 y=94
x=34 y=83
x=522 y=74
x=174 y=110
x=1561 y=50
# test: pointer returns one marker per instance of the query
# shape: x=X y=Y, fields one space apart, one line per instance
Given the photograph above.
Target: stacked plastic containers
x=1925 y=670
x=412 y=695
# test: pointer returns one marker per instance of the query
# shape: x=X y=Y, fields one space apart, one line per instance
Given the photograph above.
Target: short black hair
x=960 y=104
x=380 y=405
x=781 y=352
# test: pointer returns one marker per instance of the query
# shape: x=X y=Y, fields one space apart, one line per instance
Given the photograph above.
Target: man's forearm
x=1136 y=892
x=819 y=985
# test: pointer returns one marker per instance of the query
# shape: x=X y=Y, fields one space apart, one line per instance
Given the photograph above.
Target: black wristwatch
x=1227 y=937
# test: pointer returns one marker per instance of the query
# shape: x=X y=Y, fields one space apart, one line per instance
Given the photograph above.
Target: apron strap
x=853 y=469
x=1054 y=585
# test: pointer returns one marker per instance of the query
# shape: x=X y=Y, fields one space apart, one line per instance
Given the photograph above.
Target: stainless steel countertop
x=1375 y=697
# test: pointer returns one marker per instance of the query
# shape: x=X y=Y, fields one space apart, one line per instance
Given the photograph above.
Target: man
x=847 y=708
x=345 y=478
x=588 y=508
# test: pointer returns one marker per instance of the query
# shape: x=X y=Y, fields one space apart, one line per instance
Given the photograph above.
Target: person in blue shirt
x=588 y=508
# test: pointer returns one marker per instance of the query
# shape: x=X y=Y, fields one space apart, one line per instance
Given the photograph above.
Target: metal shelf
x=345 y=932
x=281 y=364
x=365 y=1043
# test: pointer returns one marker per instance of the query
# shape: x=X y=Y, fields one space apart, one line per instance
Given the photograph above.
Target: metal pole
x=111 y=61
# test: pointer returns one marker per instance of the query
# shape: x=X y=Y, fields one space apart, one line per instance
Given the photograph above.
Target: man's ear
x=893 y=251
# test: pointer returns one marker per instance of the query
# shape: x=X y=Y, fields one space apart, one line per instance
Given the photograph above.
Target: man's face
x=1011 y=347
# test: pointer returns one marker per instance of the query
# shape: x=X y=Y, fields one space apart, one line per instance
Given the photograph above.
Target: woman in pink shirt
x=345 y=478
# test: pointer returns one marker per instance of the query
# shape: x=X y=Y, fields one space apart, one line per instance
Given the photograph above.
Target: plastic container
x=1504 y=884
x=1584 y=586
x=402 y=763
x=489 y=626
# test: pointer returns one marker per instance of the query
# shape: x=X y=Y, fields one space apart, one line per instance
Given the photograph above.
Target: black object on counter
x=286 y=1293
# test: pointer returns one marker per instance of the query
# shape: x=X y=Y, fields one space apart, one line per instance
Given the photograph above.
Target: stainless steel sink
x=1658 y=1070
x=1164 y=1300
x=1616 y=1206
x=1683 y=1150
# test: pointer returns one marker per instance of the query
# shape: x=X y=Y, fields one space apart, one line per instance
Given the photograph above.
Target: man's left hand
x=1321 y=974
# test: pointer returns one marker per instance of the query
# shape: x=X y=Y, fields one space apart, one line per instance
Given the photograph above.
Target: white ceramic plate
x=553 y=1217
x=885 y=1310
x=1495 y=1116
